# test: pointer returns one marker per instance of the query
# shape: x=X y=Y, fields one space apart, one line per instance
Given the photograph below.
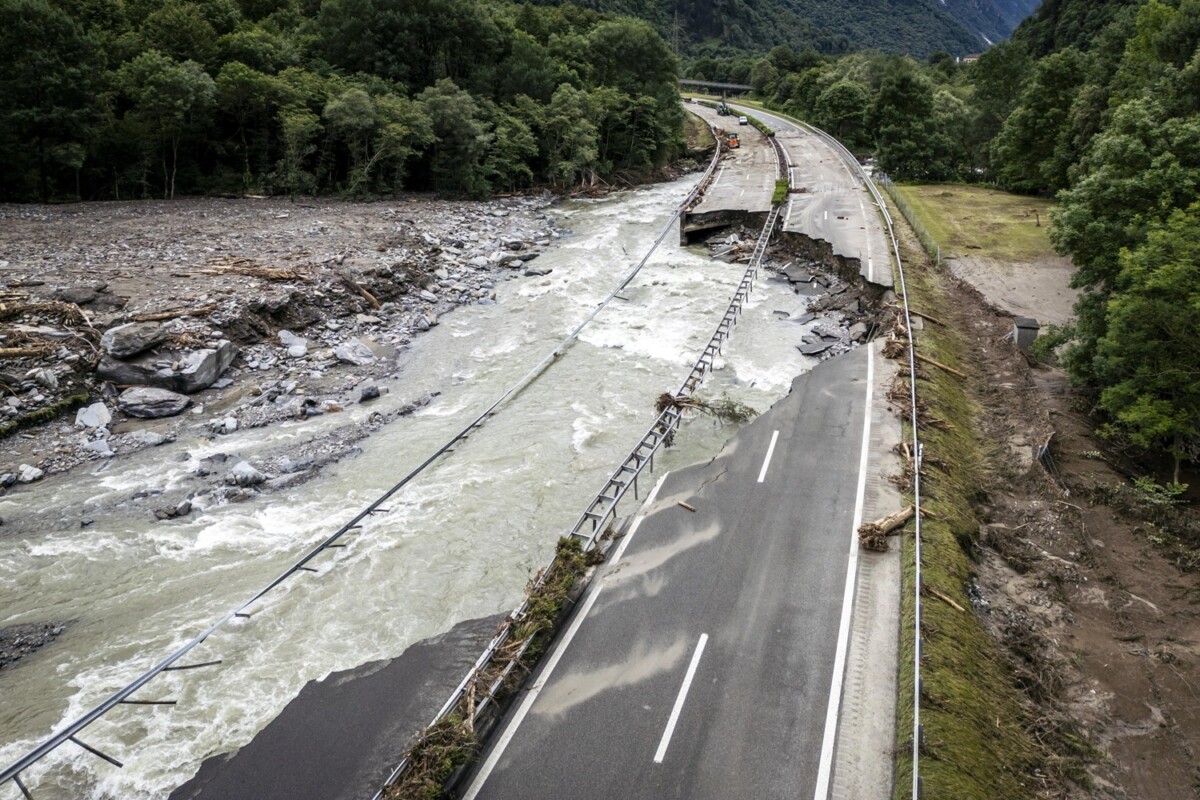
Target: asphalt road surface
x=834 y=205
x=705 y=659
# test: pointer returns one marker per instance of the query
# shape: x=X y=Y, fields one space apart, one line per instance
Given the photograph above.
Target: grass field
x=973 y=220
x=699 y=136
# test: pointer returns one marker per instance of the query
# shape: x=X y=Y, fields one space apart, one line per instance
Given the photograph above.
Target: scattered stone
x=354 y=352
x=150 y=438
x=79 y=295
x=297 y=346
x=27 y=473
x=224 y=426
x=148 y=402
x=369 y=393
x=131 y=339
x=100 y=446
x=814 y=348
x=244 y=475
x=17 y=641
x=43 y=377
x=194 y=371
x=96 y=415
x=537 y=272
x=428 y=296
x=858 y=331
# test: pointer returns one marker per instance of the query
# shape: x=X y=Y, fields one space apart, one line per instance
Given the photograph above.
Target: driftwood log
x=873 y=535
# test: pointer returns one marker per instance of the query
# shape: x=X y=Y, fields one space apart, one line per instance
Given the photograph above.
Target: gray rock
x=149 y=402
x=537 y=272
x=298 y=350
x=99 y=446
x=479 y=262
x=526 y=257
x=96 y=415
x=8 y=479
x=224 y=383
x=858 y=331
x=43 y=377
x=197 y=370
x=368 y=393
x=354 y=352
x=224 y=426
x=428 y=296
x=79 y=295
x=289 y=339
x=127 y=341
x=814 y=348
x=515 y=244
x=151 y=438
x=27 y=473
x=243 y=474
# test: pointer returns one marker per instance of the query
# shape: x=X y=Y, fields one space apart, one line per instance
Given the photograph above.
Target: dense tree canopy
x=127 y=98
x=1096 y=101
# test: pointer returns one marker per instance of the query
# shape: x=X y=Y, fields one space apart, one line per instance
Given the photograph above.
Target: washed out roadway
x=759 y=572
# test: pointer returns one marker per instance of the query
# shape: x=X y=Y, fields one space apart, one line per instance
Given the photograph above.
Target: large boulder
x=131 y=339
x=192 y=372
x=149 y=402
x=96 y=415
x=354 y=352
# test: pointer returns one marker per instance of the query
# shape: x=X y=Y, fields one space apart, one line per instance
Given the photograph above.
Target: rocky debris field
x=117 y=318
x=844 y=315
x=17 y=641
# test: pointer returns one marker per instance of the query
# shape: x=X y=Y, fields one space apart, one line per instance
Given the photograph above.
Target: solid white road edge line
x=683 y=690
x=536 y=689
x=824 y=772
x=767 y=460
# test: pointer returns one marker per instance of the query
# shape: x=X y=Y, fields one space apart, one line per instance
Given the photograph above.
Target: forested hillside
x=713 y=28
x=139 y=98
x=1097 y=101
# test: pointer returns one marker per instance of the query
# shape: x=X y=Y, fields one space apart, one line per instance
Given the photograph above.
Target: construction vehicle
x=723 y=110
x=732 y=141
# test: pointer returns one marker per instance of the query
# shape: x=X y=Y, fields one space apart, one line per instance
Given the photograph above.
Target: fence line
x=928 y=242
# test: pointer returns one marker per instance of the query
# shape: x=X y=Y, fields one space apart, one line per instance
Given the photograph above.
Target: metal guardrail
x=917 y=449
x=602 y=508
x=69 y=733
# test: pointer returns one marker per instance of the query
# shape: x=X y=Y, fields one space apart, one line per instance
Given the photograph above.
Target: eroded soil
x=1100 y=622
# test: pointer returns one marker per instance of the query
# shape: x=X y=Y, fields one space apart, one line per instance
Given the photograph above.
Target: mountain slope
x=916 y=27
x=991 y=20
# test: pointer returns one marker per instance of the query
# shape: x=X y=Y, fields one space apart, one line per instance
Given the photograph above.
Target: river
x=460 y=542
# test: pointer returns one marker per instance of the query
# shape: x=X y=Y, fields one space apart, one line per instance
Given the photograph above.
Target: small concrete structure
x=1025 y=331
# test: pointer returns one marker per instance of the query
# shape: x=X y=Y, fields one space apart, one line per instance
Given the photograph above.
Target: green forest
x=113 y=99
x=1097 y=104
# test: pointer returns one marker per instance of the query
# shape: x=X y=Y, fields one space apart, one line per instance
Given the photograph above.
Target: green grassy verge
x=968 y=220
x=781 y=190
x=977 y=743
x=697 y=133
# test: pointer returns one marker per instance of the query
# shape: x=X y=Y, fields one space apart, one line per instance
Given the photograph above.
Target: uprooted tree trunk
x=724 y=409
x=873 y=535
